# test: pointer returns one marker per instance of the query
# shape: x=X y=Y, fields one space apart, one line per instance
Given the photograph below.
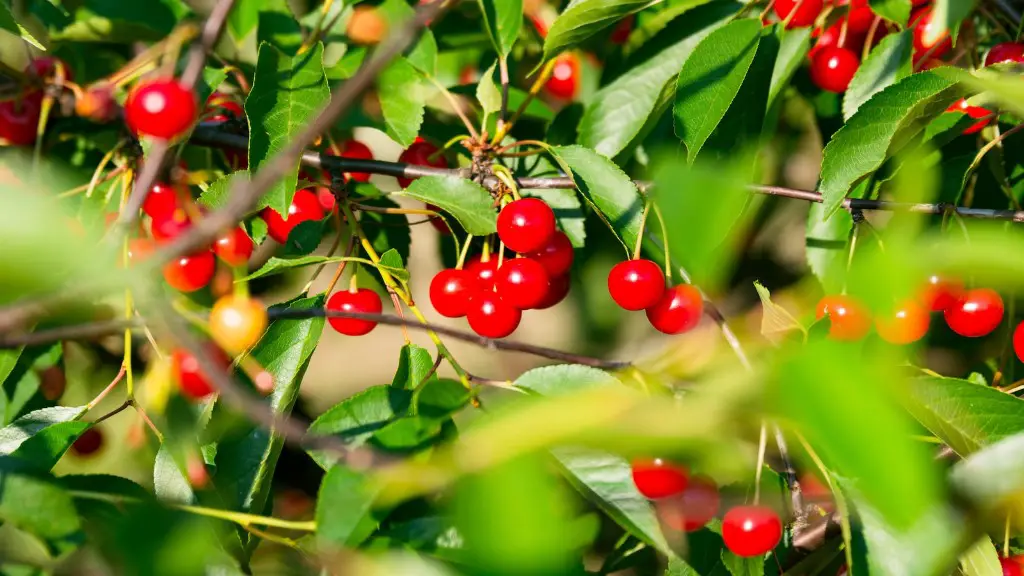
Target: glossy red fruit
x=636 y=284
x=804 y=12
x=169 y=228
x=694 y=507
x=751 y=530
x=939 y=293
x=526 y=225
x=356 y=150
x=483 y=271
x=362 y=301
x=678 y=311
x=1018 y=341
x=421 y=153
x=565 y=77
x=977 y=313
x=192 y=380
x=975 y=112
x=860 y=17
x=161 y=108
x=1010 y=567
x=490 y=317
x=658 y=478
x=19 y=119
x=88 y=443
x=304 y=207
x=522 y=282
x=234 y=248
x=832 y=68
x=849 y=320
x=830 y=36
x=558 y=289
x=450 y=291
x=907 y=323
x=163 y=199
x=192 y=272
x=922 y=22
x=556 y=255
x=1012 y=52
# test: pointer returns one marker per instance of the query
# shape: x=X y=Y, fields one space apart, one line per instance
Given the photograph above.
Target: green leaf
x=826 y=242
x=584 y=18
x=423 y=56
x=209 y=81
x=36 y=504
x=711 y=79
x=278 y=27
x=122 y=22
x=564 y=379
x=619 y=111
x=888 y=62
x=740 y=566
x=464 y=199
x=947 y=15
x=7 y=22
x=169 y=484
x=46 y=421
x=962 y=414
x=45 y=448
x=502 y=20
x=774 y=318
x=401 y=100
x=276 y=266
x=793 y=50
x=391 y=261
x=981 y=559
x=607 y=188
x=356 y=418
x=439 y=398
x=344 y=507
x=879 y=129
x=990 y=479
x=897 y=11
x=386 y=231
x=487 y=92
x=414 y=366
x=216 y=194
x=286 y=94
x=245 y=15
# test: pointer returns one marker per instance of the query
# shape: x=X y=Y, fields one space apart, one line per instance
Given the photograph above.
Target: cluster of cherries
x=972 y=313
x=688 y=503
x=639 y=284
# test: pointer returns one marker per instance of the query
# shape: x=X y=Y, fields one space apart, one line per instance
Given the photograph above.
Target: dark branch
x=73 y=332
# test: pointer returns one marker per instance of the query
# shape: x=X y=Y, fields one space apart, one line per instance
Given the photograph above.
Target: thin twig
x=73 y=332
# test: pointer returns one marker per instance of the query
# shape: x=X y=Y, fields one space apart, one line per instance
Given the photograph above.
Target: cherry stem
x=664 y=240
x=762 y=445
x=464 y=252
x=640 y=231
x=103 y=394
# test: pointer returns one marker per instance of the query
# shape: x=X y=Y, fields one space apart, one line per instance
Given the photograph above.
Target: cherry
x=490 y=317
x=366 y=25
x=1012 y=52
x=860 y=17
x=469 y=75
x=19 y=119
x=751 y=530
x=940 y=293
x=522 y=283
x=170 y=227
x=483 y=271
x=163 y=199
x=565 y=77
x=88 y=443
x=908 y=323
x=849 y=320
x=922 y=21
x=161 y=108
x=1018 y=341
x=526 y=225
x=192 y=380
x=192 y=272
x=977 y=313
x=636 y=284
x=694 y=507
x=356 y=150
x=1010 y=566
x=658 y=478
x=234 y=247
x=556 y=255
x=224 y=108
x=450 y=291
x=237 y=323
x=539 y=25
x=830 y=36
x=975 y=112
x=421 y=153
x=52 y=383
x=361 y=301
x=678 y=311
x=304 y=207
x=832 y=68
x=621 y=31
x=804 y=12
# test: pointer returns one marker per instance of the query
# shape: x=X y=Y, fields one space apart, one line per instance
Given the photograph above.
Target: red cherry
x=192 y=380
x=170 y=227
x=224 y=108
x=657 y=478
x=832 y=68
x=555 y=255
x=421 y=153
x=678 y=311
x=1018 y=341
x=751 y=530
x=830 y=37
x=1012 y=52
x=304 y=207
x=88 y=443
x=636 y=284
x=940 y=293
x=483 y=271
x=469 y=75
x=522 y=282
x=234 y=247
x=160 y=108
x=192 y=272
x=362 y=301
x=621 y=31
x=356 y=150
x=450 y=291
x=802 y=16
x=977 y=313
x=542 y=28
x=1010 y=566
x=975 y=112
x=558 y=289
x=526 y=225
x=849 y=319
x=694 y=507
x=860 y=17
x=19 y=119
x=565 y=77
x=922 y=21
x=163 y=199
x=908 y=323
x=490 y=317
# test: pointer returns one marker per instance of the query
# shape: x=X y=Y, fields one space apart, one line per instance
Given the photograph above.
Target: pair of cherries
x=688 y=503
x=639 y=284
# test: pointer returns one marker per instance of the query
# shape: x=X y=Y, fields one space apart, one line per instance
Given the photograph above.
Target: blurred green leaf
x=827 y=239
x=402 y=101
x=888 y=63
x=440 y=398
x=356 y=418
x=415 y=365
x=583 y=18
x=897 y=11
x=122 y=22
x=286 y=94
x=710 y=80
x=563 y=379
x=981 y=559
x=467 y=201
x=793 y=49
x=488 y=93
x=962 y=414
x=277 y=26
x=991 y=478
x=502 y=20
x=7 y=22
x=947 y=15
x=169 y=484
x=245 y=15
x=344 y=507
x=423 y=56
x=740 y=566
x=20 y=392
x=774 y=318
x=35 y=503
